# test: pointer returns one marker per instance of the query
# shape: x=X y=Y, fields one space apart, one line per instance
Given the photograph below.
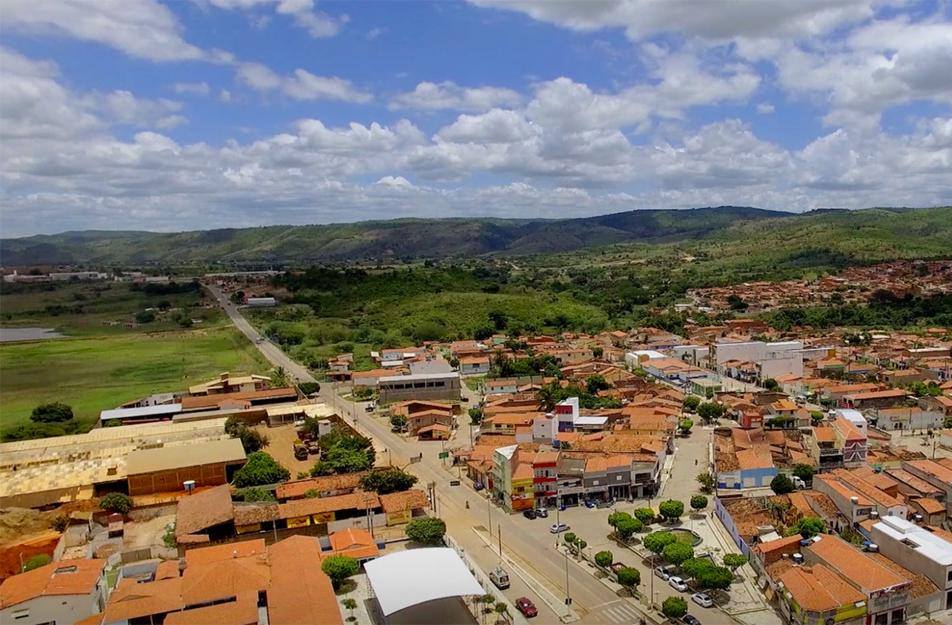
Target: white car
x=662 y=572
x=702 y=599
x=677 y=583
x=558 y=527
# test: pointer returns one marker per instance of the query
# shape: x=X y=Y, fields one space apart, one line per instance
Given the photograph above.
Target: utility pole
x=499 y=534
x=568 y=596
x=489 y=510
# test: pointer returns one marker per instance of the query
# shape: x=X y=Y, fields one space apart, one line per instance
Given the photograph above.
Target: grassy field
x=93 y=373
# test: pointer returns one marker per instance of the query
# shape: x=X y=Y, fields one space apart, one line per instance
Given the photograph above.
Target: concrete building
x=64 y=592
x=419 y=386
x=772 y=359
x=920 y=551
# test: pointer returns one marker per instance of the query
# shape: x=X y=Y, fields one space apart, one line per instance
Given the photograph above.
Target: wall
x=170 y=481
x=61 y=609
x=721 y=513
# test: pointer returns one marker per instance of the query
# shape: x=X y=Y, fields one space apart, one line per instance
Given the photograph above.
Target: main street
x=480 y=526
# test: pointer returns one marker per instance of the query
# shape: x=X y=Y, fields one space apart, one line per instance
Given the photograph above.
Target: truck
x=499 y=577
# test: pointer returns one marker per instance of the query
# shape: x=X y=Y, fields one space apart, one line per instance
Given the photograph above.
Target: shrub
x=685 y=425
x=35 y=562
x=707 y=482
x=604 y=558
x=54 y=412
x=116 y=502
x=733 y=561
x=569 y=538
x=781 y=484
x=254 y=493
x=309 y=388
x=691 y=402
x=645 y=515
x=698 y=502
x=808 y=527
x=715 y=577
x=629 y=578
x=674 y=607
x=628 y=527
x=145 y=316
x=655 y=542
x=671 y=509
x=426 y=531
x=339 y=568
x=60 y=522
x=260 y=470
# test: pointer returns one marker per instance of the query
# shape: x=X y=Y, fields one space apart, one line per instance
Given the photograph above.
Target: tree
x=677 y=552
x=715 y=577
x=260 y=470
x=339 y=568
x=709 y=411
x=398 y=421
x=596 y=383
x=254 y=493
x=629 y=578
x=251 y=440
x=501 y=608
x=426 y=531
x=346 y=460
x=655 y=542
x=604 y=559
x=781 y=484
x=475 y=415
x=615 y=517
x=707 y=482
x=698 y=502
x=808 y=527
x=385 y=481
x=628 y=527
x=694 y=566
x=734 y=561
x=54 y=412
x=580 y=545
x=685 y=425
x=350 y=605
x=804 y=472
x=569 y=538
x=816 y=417
x=671 y=509
x=771 y=385
x=145 y=316
x=736 y=303
x=310 y=388
x=35 y=562
x=116 y=502
x=691 y=402
x=645 y=515
x=674 y=607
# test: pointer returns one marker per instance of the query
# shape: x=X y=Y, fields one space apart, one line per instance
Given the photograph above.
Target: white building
x=772 y=359
x=66 y=591
x=920 y=551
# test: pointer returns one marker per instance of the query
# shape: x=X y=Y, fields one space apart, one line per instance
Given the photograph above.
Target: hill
x=870 y=234
x=370 y=240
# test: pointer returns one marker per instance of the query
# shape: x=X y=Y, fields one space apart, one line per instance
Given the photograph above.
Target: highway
x=528 y=543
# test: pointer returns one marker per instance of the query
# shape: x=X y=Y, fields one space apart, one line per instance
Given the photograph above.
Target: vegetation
x=707 y=482
x=426 y=530
x=691 y=402
x=781 y=484
x=677 y=552
x=706 y=574
x=343 y=453
x=808 y=527
x=645 y=515
x=339 y=568
x=260 y=470
x=384 y=481
x=55 y=412
x=671 y=509
x=655 y=542
x=398 y=421
x=698 y=502
x=804 y=472
x=255 y=494
x=251 y=440
x=116 y=502
x=35 y=562
x=674 y=607
x=629 y=578
x=350 y=605
x=734 y=561
x=604 y=559
x=710 y=411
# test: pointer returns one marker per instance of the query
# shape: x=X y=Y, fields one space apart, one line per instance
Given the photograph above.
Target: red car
x=525 y=605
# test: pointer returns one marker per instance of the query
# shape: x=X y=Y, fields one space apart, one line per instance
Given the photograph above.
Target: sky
x=195 y=114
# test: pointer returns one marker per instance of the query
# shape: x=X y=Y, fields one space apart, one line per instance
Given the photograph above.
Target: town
x=732 y=474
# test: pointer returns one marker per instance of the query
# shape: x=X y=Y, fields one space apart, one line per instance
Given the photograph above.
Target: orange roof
x=242 y=611
x=519 y=418
x=357 y=500
x=848 y=430
x=66 y=577
x=780 y=543
x=405 y=501
x=217 y=553
x=818 y=589
x=354 y=542
x=298 y=488
x=203 y=509
x=131 y=600
x=929 y=505
x=208 y=401
x=893 y=392
x=300 y=593
x=754 y=459
x=854 y=564
x=933 y=468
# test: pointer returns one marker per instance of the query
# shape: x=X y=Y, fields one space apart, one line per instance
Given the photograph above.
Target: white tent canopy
x=415 y=576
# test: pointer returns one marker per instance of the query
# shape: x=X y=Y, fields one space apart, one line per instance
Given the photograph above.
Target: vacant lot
x=94 y=373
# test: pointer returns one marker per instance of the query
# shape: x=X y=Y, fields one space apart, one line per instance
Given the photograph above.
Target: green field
x=94 y=373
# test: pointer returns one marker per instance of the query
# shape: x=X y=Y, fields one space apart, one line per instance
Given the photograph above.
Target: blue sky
x=217 y=113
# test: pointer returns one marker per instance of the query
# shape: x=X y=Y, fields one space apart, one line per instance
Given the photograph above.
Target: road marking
x=620 y=612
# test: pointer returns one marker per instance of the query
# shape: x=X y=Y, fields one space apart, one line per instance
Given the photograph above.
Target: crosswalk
x=619 y=612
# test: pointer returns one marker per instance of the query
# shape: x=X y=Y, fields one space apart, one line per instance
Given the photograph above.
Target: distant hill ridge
x=436 y=238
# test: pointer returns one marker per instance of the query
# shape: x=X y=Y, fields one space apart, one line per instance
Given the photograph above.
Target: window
x=20 y=614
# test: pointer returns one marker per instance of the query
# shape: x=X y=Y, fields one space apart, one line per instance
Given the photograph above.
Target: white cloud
x=140 y=28
x=123 y=107
x=301 y=84
x=303 y=13
x=449 y=95
x=765 y=108
x=192 y=88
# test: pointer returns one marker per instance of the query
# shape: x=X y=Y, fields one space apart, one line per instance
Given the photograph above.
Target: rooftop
x=924 y=542
x=227 y=450
x=65 y=577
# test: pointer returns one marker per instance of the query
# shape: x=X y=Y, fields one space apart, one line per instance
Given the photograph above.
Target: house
x=402 y=507
x=419 y=386
x=205 y=515
x=742 y=459
x=228 y=383
x=430 y=420
x=816 y=594
x=888 y=398
x=369 y=379
x=474 y=365
x=919 y=550
x=856 y=498
x=322 y=486
x=851 y=440
x=235 y=584
x=66 y=591
x=934 y=473
x=887 y=593
x=512 y=479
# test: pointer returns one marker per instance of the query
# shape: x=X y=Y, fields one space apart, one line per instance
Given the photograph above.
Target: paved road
x=269 y=350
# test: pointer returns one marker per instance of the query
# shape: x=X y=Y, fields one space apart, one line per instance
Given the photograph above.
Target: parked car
x=663 y=572
x=589 y=503
x=690 y=620
x=478 y=486
x=529 y=514
x=702 y=599
x=525 y=605
x=542 y=513
x=677 y=583
x=500 y=578
x=605 y=503
x=300 y=452
x=558 y=527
